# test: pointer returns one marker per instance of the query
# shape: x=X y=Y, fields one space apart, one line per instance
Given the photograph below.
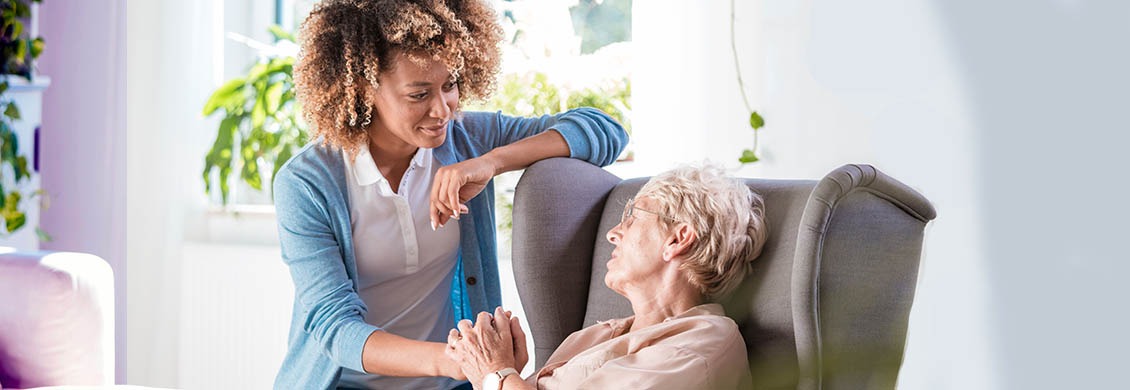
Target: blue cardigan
x=328 y=329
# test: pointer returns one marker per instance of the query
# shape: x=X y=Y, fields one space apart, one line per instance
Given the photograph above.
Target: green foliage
x=613 y=99
x=260 y=126
x=533 y=94
x=748 y=155
x=280 y=34
x=19 y=54
x=19 y=50
x=14 y=216
x=755 y=120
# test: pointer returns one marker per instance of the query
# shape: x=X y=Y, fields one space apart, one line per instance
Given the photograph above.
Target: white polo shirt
x=404 y=268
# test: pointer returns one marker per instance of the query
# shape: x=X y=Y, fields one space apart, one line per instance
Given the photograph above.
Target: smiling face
x=413 y=105
x=639 y=239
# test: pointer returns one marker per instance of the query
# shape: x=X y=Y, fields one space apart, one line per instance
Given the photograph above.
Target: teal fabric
x=327 y=328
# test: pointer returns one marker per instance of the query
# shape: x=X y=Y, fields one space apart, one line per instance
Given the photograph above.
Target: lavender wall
x=84 y=137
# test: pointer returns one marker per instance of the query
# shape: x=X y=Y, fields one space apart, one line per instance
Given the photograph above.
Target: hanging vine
x=755 y=120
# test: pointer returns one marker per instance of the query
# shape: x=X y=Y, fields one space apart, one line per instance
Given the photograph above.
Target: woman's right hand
x=456 y=184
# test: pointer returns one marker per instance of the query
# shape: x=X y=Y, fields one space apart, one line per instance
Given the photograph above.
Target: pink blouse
x=698 y=349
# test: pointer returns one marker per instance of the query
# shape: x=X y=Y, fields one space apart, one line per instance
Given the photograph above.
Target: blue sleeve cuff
x=351 y=344
x=592 y=136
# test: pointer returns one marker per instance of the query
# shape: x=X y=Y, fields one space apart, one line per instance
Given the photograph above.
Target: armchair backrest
x=56 y=319
x=826 y=305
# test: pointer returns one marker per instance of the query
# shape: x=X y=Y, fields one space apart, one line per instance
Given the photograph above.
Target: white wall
x=1003 y=113
x=209 y=301
x=1047 y=93
x=84 y=137
x=173 y=65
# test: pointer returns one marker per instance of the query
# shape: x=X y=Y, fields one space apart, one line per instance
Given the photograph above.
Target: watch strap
x=496 y=378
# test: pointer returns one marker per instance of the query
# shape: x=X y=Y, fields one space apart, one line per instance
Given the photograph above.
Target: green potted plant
x=261 y=127
x=19 y=54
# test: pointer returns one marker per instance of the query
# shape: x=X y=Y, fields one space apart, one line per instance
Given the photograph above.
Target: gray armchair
x=826 y=306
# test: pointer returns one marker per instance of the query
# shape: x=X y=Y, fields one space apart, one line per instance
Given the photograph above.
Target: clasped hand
x=491 y=344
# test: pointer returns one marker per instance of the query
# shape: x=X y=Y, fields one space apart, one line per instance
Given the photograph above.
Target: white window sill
x=241 y=224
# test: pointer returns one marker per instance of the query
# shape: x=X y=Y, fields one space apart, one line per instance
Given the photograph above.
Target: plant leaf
x=280 y=159
x=220 y=155
x=280 y=34
x=17 y=28
x=42 y=234
x=44 y=198
x=13 y=217
x=225 y=172
x=11 y=144
x=755 y=120
x=224 y=94
x=257 y=72
x=12 y=111
x=259 y=111
x=21 y=50
x=23 y=10
x=14 y=221
x=748 y=157
x=250 y=173
x=274 y=97
x=20 y=168
x=37 y=46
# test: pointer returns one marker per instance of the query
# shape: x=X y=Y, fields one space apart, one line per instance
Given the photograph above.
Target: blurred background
x=1005 y=114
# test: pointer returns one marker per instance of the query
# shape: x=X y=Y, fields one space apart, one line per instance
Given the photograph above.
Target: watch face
x=491 y=381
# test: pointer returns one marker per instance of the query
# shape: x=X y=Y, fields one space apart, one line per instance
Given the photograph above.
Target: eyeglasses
x=630 y=208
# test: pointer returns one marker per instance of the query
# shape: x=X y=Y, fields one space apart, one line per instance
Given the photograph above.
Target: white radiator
x=235 y=315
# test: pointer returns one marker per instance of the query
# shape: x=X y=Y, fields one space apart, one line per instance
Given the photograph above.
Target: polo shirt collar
x=365 y=169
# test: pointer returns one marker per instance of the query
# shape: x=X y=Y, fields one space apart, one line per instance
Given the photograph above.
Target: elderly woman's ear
x=679 y=242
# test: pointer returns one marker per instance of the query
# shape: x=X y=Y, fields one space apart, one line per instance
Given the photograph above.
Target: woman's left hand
x=455 y=184
x=483 y=348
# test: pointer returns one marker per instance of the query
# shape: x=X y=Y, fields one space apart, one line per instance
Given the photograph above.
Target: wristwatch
x=493 y=381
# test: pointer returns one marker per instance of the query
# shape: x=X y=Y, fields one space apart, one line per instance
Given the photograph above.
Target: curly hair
x=342 y=41
x=727 y=216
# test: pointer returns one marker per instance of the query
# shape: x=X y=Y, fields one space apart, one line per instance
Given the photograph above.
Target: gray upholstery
x=826 y=306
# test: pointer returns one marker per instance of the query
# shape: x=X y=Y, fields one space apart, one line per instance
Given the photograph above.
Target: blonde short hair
x=727 y=217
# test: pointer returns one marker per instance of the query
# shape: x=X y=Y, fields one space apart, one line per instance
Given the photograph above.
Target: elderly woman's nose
x=613 y=235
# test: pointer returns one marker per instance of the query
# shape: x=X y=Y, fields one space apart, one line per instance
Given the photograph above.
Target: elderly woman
x=379 y=273
x=687 y=238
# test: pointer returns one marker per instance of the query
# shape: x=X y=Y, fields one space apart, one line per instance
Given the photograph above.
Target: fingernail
x=433 y=226
x=455 y=216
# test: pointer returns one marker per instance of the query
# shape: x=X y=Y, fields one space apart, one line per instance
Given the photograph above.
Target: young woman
x=386 y=219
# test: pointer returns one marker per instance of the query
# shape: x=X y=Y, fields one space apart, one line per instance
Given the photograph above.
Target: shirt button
x=471 y=281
